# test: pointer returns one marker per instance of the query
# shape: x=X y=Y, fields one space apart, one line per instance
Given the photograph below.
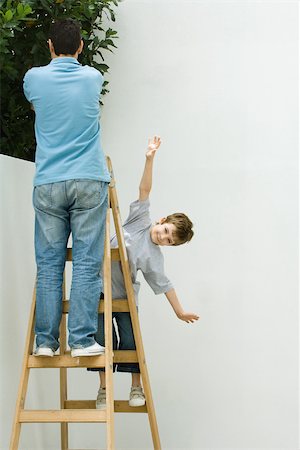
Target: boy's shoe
x=137 y=396
x=92 y=350
x=101 y=399
x=44 y=351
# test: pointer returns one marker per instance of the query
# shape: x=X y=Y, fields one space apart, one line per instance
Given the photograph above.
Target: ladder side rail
x=134 y=316
x=63 y=377
x=110 y=435
x=15 y=435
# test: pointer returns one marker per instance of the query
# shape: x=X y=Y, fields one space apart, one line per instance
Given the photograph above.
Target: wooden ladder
x=85 y=410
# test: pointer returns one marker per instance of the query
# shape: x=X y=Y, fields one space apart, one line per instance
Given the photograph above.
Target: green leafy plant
x=23 y=44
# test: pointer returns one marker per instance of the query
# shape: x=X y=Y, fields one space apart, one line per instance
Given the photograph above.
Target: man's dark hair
x=65 y=36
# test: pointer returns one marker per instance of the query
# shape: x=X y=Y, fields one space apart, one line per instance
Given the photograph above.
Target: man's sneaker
x=92 y=350
x=101 y=399
x=43 y=351
x=137 y=396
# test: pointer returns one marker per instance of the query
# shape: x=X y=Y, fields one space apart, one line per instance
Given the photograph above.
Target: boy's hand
x=188 y=317
x=153 y=145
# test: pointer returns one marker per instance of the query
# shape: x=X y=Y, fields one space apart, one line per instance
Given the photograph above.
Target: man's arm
x=146 y=180
x=180 y=313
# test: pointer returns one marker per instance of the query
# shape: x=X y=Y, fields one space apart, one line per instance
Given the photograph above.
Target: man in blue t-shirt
x=70 y=191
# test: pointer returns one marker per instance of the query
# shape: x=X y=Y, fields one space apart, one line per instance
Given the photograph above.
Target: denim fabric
x=78 y=207
x=125 y=342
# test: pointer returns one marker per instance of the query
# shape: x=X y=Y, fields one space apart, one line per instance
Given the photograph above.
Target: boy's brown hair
x=184 y=232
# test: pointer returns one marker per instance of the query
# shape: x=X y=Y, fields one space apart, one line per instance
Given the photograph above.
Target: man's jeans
x=77 y=206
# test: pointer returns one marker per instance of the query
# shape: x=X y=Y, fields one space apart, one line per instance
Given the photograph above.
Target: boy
x=143 y=240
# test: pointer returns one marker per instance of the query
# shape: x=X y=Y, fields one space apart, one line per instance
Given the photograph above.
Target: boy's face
x=163 y=233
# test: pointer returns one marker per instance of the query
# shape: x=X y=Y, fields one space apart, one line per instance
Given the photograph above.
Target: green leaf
x=101 y=67
x=20 y=9
x=27 y=10
x=111 y=32
x=8 y=15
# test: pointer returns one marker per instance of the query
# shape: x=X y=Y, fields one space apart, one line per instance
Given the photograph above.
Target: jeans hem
x=47 y=346
x=129 y=370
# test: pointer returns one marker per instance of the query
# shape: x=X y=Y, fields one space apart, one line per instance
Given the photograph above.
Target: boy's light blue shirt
x=65 y=96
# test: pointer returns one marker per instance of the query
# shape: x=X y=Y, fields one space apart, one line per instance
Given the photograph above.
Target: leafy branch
x=23 y=44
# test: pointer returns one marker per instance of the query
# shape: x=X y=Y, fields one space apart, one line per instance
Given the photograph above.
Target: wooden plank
x=135 y=320
x=110 y=428
x=65 y=361
x=62 y=415
x=121 y=406
x=80 y=404
x=15 y=435
x=118 y=305
x=63 y=377
x=115 y=255
x=125 y=356
x=41 y=362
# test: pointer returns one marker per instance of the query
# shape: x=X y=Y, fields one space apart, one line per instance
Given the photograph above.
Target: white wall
x=218 y=81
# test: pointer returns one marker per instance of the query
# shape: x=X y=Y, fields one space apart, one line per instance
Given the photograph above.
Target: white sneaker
x=92 y=350
x=137 y=396
x=44 y=351
x=101 y=399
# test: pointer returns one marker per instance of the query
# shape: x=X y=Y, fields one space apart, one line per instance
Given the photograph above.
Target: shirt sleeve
x=157 y=279
x=139 y=211
x=27 y=85
x=99 y=81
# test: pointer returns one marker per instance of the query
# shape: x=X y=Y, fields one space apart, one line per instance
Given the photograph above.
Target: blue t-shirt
x=65 y=96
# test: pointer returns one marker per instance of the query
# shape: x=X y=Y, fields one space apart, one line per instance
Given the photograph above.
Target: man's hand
x=153 y=145
x=187 y=317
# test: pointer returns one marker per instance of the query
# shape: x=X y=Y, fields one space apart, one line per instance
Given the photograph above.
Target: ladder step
x=120 y=356
x=61 y=415
x=121 y=406
x=40 y=362
x=118 y=305
x=115 y=254
x=35 y=362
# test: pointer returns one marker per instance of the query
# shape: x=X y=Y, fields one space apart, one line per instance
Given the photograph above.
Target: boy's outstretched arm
x=180 y=313
x=146 y=180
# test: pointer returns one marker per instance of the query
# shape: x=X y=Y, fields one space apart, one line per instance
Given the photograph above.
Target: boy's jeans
x=77 y=206
x=125 y=342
